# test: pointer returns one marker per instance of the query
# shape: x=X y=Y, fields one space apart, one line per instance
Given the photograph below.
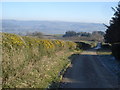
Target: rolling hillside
x=48 y=27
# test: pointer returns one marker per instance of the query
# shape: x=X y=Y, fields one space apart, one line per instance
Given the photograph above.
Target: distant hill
x=49 y=27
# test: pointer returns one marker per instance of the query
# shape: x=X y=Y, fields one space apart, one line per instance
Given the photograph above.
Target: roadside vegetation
x=112 y=35
x=33 y=62
x=105 y=49
x=104 y=52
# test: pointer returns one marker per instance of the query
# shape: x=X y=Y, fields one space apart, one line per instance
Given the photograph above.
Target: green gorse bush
x=25 y=63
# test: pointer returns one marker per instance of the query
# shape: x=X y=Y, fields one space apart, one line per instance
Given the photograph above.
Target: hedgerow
x=25 y=63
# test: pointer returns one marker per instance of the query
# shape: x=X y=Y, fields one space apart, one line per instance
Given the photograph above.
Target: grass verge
x=104 y=52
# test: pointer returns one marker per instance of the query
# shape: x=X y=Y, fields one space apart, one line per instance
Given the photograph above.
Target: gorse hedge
x=25 y=63
x=45 y=47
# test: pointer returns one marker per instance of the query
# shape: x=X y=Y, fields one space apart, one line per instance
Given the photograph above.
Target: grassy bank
x=32 y=62
x=92 y=43
x=105 y=49
x=104 y=52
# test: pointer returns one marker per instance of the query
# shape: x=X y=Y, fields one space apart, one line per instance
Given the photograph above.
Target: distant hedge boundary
x=83 y=45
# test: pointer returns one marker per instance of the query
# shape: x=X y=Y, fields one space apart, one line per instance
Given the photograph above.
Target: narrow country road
x=87 y=71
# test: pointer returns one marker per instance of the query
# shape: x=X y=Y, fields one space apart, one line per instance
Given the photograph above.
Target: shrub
x=106 y=46
x=116 y=51
x=22 y=64
x=82 y=45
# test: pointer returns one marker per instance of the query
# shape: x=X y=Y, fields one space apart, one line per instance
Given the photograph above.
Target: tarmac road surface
x=87 y=71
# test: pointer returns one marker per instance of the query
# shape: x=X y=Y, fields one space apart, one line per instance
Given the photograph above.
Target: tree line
x=94 y=36
x=112 y=35
x=86 y=34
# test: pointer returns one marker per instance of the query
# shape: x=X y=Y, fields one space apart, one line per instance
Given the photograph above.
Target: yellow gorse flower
x=12 y=39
